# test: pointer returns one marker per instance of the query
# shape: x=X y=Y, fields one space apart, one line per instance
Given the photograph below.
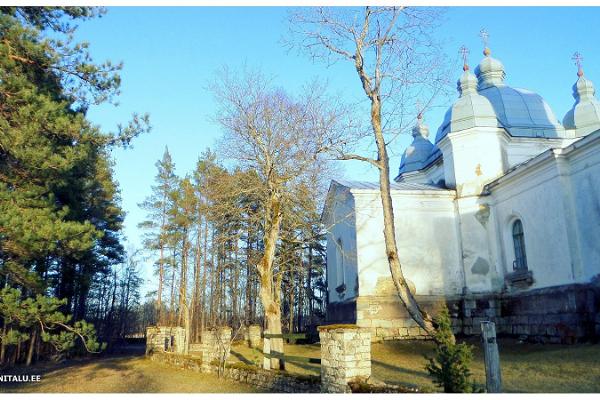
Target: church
x=498 y=218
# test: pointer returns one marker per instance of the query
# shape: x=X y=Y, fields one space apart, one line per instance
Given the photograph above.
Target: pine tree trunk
x=3 y=345
x=204 y=277
x=172 y=307
x=161 y=264
x=182 y=314
x=161 y=278
x=31 y=346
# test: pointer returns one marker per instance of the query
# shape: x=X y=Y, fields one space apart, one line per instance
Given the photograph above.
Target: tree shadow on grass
x=241 y=357
x=397 y=380
x=305 y=366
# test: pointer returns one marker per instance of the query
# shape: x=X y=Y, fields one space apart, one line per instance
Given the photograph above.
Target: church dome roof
x=470 y=110
x=585 y=114
x=521 y=112
x=416 y=155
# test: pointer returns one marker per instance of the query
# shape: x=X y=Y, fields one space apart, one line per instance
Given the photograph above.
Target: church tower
x=584 y=117
x=470 y=139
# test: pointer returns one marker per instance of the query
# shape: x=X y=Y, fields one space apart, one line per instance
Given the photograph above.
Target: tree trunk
x=182 y=314
x=3 y=345
x=389 y=230
x=204 y=277
x=269 y=301
x=172 y=306
x=161 y=265
x=31 y=347
x=161 y=277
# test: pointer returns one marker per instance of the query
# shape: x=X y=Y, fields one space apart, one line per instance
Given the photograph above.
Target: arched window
x=520 y=262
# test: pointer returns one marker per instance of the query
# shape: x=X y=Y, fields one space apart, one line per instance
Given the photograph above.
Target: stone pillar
x=215 y=343
x=345 y=356
x=179 y=340
x=254 y=333
x=165 y=338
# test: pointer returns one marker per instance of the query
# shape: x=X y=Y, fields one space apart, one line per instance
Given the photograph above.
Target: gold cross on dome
x=578 y=58
x=464 y=52
x=485 y=36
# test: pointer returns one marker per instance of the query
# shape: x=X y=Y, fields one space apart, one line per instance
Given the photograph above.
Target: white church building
x=499 y=218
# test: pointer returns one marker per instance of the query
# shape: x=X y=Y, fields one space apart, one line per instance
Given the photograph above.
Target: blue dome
x=522 y=112
x=415 y=156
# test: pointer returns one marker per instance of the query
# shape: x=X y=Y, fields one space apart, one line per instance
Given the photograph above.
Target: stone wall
x=387 y=319
x=267 y=380
x=562 y=314
x=345 y=357
x=165 y=338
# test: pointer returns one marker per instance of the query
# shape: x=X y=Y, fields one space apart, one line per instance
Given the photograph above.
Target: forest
x=69 y=285
x=205 y=233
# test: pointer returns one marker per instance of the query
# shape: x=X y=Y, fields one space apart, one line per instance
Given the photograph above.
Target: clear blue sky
x=169 y=55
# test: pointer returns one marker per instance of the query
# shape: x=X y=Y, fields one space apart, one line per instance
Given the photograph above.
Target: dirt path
x=125 y=374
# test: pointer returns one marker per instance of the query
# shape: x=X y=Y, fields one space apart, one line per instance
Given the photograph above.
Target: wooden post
x=266 y=351
x=493 y=378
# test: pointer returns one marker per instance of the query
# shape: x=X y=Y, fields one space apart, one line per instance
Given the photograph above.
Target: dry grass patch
x=526 y=368
x=130 y=374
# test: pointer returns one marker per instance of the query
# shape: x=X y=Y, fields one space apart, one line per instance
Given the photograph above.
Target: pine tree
x=157 y=205
x=450 y=365
x=60 y=217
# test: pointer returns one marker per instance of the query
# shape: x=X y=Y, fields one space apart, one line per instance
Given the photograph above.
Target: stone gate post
x=345 y=356
x=215 y=344
x=254 y=336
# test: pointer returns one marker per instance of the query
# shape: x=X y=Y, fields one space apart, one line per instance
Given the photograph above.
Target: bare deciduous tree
x=398 y=63
x=282 y=138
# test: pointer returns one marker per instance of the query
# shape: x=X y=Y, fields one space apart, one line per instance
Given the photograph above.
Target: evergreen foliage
x=449 y=367
x=22 y=315
x=60 y=214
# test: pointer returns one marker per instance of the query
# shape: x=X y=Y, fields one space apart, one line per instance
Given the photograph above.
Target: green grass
x=526 y=368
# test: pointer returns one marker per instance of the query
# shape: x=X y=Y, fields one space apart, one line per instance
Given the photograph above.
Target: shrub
x=449 y=367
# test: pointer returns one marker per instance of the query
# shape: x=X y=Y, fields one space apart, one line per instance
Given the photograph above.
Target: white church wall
x=585 y=180
x=473 y=157
x=536 y=198
x=521 y=149
x=427 y=240
x=341 y=246
x=483 y=272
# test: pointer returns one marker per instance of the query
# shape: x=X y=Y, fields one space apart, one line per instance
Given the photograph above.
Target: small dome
x=416 y=155
x=490 y=72
x=470 y=110
x=585 y=114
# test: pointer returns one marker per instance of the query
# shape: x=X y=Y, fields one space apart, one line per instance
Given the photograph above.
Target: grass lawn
x=525 y=367
x=126 y=374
